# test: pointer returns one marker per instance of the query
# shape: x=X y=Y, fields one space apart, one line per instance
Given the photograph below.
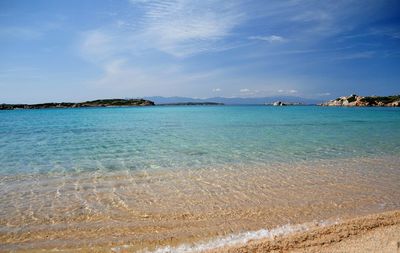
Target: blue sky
x=78 y=50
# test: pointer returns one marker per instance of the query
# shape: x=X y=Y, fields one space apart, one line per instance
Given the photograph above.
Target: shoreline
x=371 y=233
x=190 y=207
x=378 y=232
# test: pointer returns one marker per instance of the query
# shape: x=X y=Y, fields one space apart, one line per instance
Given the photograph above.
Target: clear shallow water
x=149 y=177
x=110 y=139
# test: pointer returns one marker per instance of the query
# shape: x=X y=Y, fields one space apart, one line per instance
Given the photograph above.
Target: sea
x=189 y=178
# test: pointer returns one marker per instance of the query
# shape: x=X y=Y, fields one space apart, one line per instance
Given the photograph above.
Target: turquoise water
x=137 y=177
x=171 y=137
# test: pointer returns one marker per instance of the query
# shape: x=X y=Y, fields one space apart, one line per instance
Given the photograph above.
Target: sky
x=80 y=50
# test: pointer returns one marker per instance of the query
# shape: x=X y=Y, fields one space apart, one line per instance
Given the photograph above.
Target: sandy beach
x=170 y=208
x=373 y=233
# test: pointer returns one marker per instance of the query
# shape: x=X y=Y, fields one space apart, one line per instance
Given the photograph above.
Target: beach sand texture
x=139 y=211
x=374 y=233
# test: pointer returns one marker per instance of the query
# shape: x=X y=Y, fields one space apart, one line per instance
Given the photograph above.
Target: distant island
x=94 y=103
x=355 y=100
x=352 y=100
x=235 y=100
x=280 y=103
x=192 y=103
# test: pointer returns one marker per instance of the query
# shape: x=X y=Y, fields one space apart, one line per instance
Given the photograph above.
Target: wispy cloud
x=201 y=47
x=161 y=33
x=357 y=55
x=124 y=77
x=292 y=91
x=249 y=92
x=387 y=32
x=139 y=1
x=177 y=27
x=98 y=45
x=324 y=94
x=270 y=39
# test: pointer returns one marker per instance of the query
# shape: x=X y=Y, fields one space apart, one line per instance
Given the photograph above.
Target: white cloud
x=292 y=91
x=125 y=79
x=248 y=92
x=270 y=39
x=183 y=27
x=139 y=1
x=180 y=28
x=121 y=77
x=98 y=45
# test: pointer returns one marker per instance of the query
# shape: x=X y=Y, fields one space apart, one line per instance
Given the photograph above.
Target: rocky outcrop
x=355 y=100
x=94 y=103
x=280 y=103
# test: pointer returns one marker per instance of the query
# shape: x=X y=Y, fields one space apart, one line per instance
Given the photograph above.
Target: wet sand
x=374 y=233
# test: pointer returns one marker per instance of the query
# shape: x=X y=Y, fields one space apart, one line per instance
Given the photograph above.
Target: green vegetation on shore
x=385 y=99
x=94 y=103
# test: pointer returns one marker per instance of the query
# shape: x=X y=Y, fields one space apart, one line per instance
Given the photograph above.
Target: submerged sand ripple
x=150 y=209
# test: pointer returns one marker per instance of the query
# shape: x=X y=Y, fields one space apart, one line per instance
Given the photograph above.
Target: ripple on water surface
x=148 y=208
x=155 y=176
x=190 y=137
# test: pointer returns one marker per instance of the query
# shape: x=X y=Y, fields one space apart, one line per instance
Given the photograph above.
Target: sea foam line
x=240 y=238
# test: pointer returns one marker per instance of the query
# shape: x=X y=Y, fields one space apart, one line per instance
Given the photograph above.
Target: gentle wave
x=238 y=239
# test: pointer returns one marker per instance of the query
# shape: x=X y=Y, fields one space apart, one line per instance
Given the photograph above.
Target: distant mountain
x=233 y=101
x=193 y=103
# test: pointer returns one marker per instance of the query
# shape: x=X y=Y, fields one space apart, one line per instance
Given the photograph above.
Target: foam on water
x=235 y=239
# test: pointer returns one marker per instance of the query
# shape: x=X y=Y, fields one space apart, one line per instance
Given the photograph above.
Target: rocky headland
x=94 y=103
x=355 y=100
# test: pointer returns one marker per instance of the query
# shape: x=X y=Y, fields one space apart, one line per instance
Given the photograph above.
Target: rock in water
x=355 y=100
